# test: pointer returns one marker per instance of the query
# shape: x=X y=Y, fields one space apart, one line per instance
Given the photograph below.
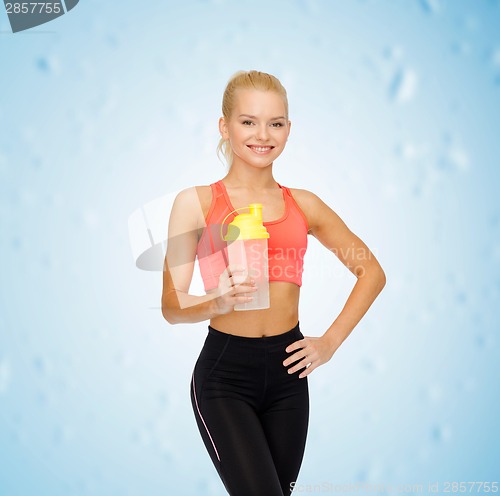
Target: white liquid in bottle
x=247 y=246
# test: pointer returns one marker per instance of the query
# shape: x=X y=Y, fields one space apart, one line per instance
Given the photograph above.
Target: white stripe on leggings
x=203 y=420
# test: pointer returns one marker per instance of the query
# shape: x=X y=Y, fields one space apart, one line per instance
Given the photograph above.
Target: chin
x=261 y=164
x=262 y=161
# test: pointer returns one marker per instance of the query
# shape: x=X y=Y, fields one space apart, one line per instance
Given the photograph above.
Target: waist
x=283 y=314
x=283 y=338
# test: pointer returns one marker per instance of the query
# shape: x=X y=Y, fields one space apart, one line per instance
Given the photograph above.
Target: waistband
x=277 y=339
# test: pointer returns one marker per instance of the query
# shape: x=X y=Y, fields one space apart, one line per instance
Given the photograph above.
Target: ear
x=289 y=128
x=223 y=128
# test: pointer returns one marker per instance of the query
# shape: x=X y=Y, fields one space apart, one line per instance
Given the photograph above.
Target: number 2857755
x=33 y=8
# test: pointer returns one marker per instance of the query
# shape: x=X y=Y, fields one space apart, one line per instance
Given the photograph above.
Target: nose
x=262 y=133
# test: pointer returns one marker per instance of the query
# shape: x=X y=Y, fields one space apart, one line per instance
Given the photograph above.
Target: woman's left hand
x=314 y=351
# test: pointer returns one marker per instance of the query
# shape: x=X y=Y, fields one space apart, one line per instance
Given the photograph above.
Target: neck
x=250 y=177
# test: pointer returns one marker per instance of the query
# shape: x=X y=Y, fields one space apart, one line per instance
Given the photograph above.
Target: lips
x=260 y=149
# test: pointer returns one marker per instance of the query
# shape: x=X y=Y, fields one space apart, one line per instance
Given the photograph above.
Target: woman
x=249 y=386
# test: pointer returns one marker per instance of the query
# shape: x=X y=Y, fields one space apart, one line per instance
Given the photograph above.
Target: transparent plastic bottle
x=247 y=246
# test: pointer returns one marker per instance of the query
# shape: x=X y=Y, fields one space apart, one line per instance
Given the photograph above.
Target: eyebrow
x=254 y=117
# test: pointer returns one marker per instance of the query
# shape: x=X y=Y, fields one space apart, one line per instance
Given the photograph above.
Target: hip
x=255 y=362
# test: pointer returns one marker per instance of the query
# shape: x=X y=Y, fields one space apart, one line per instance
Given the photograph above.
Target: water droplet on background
x=48 y=64
x=495 y=57
x=16 y=243
x=483 y=339
x=42 y=64
x=374 y=364
x=62 y=434
x=430 y=6
x=461 y=47
x=394 y=53
x=163 y=399
x=41 y=364
x=441 y=433
x=454 y=158
x=403 y=86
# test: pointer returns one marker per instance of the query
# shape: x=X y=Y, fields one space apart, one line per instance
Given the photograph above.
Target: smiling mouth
x=260 y=149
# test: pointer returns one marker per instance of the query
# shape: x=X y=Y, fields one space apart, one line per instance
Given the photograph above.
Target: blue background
x=395 y=112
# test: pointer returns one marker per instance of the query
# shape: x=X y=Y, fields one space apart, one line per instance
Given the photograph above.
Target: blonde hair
x=246 y=80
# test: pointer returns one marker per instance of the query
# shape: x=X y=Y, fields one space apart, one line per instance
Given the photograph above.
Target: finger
x=226 y=286
x=306 y=372
x=245 y=296
x=298 y=366
x=306 y=364
x=236 y=271
x=243 y=277
x=235 y=267
x=301 y=343
x=295 y=357
x=227 y=273
x=236 y=279
x=242 y=298
x=239 y=278
x=225 y=279
x=303 y=362
x=245 y=288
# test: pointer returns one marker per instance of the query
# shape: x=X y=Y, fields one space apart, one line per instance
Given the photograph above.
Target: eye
x=277 y=124
x=247 y=123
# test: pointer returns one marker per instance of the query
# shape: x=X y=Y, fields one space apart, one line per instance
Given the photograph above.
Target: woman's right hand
x=233 y=290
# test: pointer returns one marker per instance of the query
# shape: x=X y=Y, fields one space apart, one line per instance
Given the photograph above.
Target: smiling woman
x=265 y=83
x=263 y=133
x=249 y=387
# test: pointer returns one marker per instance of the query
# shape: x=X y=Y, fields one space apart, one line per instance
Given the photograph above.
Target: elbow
x=169 y=314
x=375 y=273
x=170 y=307
x=381 y=279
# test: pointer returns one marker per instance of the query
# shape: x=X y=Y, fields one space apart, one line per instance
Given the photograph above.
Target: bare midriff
x=280 y=317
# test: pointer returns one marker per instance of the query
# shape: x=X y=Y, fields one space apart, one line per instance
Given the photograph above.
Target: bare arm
x=329 y=229
x=179 y=306
x=176 y=303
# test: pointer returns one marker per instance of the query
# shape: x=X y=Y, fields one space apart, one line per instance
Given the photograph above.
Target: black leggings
x=252 y=415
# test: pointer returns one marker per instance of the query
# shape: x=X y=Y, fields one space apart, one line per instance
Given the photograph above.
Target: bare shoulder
x=204 y=193
x=313 y=207
x=303 y=195
x=191 y=204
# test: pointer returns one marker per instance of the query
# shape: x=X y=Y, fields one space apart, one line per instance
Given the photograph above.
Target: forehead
x=258 y=102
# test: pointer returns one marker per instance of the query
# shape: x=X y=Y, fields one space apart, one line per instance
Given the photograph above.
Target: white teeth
x=261 y=148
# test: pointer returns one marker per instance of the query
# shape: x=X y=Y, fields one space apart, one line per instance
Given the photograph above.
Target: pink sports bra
x=287 y=243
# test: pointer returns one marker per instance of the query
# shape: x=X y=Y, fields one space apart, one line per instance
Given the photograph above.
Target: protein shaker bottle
x=247 y=246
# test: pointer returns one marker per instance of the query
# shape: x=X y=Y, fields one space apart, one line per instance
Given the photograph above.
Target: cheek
x=240 y=135
x=281 y=135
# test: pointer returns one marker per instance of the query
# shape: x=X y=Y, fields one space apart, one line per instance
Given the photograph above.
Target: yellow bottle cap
x=247 y=226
